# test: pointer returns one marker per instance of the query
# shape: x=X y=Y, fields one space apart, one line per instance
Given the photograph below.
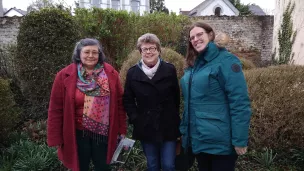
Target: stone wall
x=9 y=27
x=251 y=37
x=248 y=35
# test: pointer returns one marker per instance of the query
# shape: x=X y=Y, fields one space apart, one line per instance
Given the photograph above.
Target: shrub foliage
x=247 y=64
x=277 y=95
x=9 y=112
x=44 y=46
x=118 y=31
x=167 y=55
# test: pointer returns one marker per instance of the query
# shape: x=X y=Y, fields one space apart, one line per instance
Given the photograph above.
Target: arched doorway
x=217 y=11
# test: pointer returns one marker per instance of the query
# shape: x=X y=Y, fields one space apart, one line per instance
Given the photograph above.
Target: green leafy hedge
x=44 y=45
x=118 y=31
x=9 y=112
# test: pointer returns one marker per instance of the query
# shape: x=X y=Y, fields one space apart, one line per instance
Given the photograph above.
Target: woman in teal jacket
x=217 y=110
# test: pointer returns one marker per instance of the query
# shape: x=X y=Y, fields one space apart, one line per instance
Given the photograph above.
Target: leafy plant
x=36 y=131
x=26 y=156
x=265 y=158
x=286 y=37
x=118 y=31
x=298 y=157
x=9 y=112
x=243 y=9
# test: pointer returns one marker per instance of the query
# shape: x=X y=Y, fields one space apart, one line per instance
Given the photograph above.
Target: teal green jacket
x=216 y=103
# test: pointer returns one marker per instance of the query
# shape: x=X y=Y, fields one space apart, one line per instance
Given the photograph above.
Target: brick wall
x=9 y=27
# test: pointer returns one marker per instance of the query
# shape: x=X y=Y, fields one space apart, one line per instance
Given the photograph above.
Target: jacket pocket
x=212 y=129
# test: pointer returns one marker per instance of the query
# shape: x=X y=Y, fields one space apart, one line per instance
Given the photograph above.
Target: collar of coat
x=210 y=52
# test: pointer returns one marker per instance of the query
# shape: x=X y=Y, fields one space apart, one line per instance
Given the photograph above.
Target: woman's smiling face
x=199 y=38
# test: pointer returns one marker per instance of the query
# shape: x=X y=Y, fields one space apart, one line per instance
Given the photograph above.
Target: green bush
x=44 y=45
x=167 y=55
x=247 y=64
x=9 y=113
x=277 y=95
x=118 y=31
x=26 y=156
x=7 y=64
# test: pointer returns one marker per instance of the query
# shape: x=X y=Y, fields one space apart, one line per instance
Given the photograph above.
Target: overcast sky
x=172 y=5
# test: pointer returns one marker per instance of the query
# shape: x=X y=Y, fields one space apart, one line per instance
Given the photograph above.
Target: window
x=217 y=11
x=135 y=5
x=116 y=4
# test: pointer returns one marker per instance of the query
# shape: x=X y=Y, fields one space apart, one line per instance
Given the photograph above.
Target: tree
x=158 y=6
x=40 y=4
x=243 y=9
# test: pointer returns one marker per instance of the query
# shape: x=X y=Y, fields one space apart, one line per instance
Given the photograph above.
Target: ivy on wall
x=286 y=37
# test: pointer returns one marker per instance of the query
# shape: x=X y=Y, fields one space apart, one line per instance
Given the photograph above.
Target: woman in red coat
x=86 y=114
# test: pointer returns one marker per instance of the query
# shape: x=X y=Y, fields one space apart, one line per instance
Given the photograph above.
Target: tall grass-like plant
x=26 y=155
x=265 y=158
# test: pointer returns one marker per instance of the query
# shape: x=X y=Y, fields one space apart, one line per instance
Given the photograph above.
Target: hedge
x=44 y=45
x=9 y=112
x=277 y=95
x=118 y=31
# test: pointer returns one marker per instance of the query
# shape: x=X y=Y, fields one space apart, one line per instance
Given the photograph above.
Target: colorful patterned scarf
x=95 y=86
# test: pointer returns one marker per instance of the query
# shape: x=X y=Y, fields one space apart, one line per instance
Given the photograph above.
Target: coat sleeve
x=129 y=100
x=55 y=113
x=122 y=117
x=236 y=91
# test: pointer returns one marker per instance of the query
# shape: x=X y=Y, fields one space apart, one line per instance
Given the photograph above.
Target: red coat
x=61 y=115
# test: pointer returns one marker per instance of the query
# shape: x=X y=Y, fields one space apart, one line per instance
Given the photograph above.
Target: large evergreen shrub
x=9 y=112
x=44 y=46
x=277 y=95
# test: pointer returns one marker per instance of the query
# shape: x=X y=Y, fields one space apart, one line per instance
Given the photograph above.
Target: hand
x=122 y=136
x=240 y=150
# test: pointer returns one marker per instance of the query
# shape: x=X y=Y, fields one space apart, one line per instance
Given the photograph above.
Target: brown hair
x=191 y=52
x=148 y=38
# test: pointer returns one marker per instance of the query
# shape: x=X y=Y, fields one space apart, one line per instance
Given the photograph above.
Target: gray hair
x=87 y=42
x=148 y=38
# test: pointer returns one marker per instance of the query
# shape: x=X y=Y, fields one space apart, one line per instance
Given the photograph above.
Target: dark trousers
x=210 y=162
x=160 y=155
x=88 y=150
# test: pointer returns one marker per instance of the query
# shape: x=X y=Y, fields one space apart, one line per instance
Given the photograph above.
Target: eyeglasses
x=198 y=36
x=151 y=49
x=94 y=53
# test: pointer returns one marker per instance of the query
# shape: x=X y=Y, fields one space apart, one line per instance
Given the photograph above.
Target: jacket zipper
x=189 y=95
